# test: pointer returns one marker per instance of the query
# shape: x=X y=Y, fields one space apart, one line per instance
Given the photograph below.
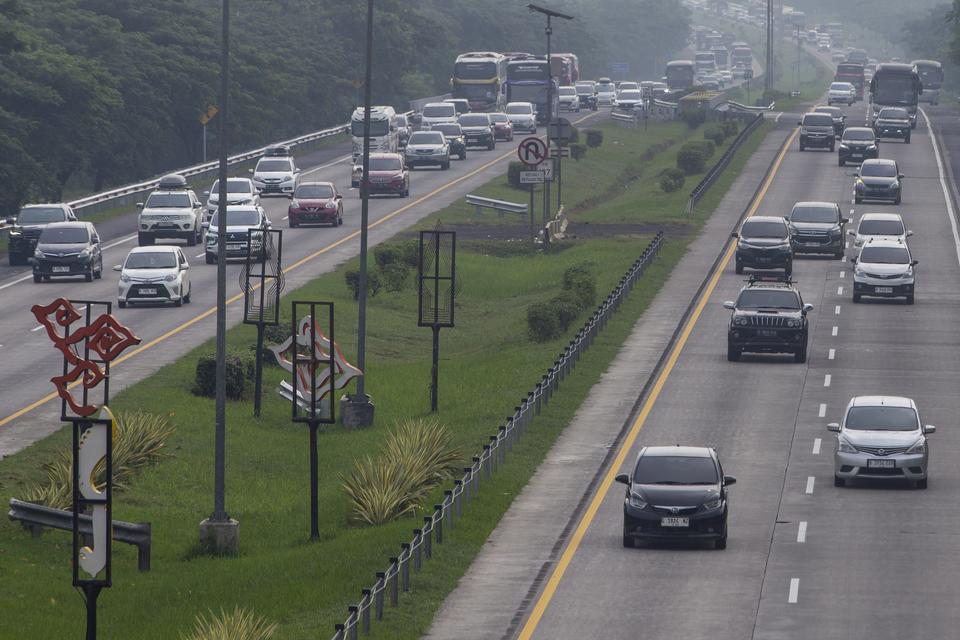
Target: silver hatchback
x=881 y=438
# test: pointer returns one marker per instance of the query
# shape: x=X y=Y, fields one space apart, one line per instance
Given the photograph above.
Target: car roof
x=157 y=248
x=858 y=129
x=682 y=451
x=881 y=216
x=39 y=205
x=516 y=103
x=69 y=224
x=316 y=183
x=243 y=207
x=437 y=104
x=880 y=242
x=814 y=203
x=385 y=154
x=764 y=219
x=881 y=401
x=823 y=108
x=886 y=161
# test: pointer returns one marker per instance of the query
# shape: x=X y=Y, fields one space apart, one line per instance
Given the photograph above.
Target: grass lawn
x=487 y=364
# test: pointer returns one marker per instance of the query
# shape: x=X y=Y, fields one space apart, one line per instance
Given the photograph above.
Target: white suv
x=172 y=211
x=522 y=115
x=437 y=113
x=154 y=274
x=884 y=269
x=841 y=92
x=239 y=191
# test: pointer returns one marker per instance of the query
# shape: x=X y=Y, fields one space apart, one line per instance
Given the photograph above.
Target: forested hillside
x=95 y=93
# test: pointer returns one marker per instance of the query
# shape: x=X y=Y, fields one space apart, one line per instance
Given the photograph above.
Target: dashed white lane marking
x=836 y=310
x=823 y=410
x=802 y=532
x=285 y=217
x=846 y=245
x=810 y=480
x=794 y=591
x=201 y=255
x=834 y=331
x=843 y=274
x=826 y=380
x=816 y=446
x=840 y=291
x=832 y=354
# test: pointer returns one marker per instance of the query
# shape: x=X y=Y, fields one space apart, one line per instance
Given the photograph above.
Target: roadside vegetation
x=487 y=362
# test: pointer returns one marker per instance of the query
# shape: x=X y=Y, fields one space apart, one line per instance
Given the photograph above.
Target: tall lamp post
x=768 y=72
x=358 y=411
x=547 y=213
x=219 y=533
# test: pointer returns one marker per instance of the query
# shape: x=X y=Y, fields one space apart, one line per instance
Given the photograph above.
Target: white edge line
x=951 y=214
x=835 y=330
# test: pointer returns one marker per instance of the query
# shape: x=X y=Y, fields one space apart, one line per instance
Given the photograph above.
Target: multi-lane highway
x=27 y=412
x=805 y=559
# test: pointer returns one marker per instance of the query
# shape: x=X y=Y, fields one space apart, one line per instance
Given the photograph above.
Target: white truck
x=384 y=137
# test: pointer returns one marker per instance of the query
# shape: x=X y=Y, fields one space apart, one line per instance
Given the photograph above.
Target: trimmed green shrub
x=567 y=307
x=547 y=320
x=693 y=117
x=715 y=134
x=574 y=135
x=395 y=277
x=706 y=146
x=671 y=179
x=594 y=138
x=410 y=253
x=386 y=254
x=578 y=151
x=731 y=128
x=513 y=174
x=579 y=281
x=691 y=159
x=352 y=277
x=542 y=322
x=240 y=368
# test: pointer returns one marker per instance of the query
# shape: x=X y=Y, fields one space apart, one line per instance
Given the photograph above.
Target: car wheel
x=802 y=147
x=738 y=268
x=856 y=297
x=186 y=298
x=145 y=240
x=897 y=199
x=838 y=255
x=629 y=542
x=733 y=354
x=339 y=221
x=838 y=481
x=801 y=355
x=98 y=274
x=178 y=302
x=720 y=543
x=445 y=165
x=88 y=276
x=122 y=304
x=788 y=270
x=210 y=258
x=921 y=484
x=36 y=277
x=463 y=156
x=910 y=299
x=192 y=240
x=857 y=200
x=491 y=146
x=292 y=224
x=14 y=259
x=907 y=139
x=832 y=148
x=842 y=162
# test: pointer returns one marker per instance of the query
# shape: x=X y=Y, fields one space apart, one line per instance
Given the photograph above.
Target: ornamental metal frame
x=262 y=281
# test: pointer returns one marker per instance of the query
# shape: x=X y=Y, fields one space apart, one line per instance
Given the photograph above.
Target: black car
x=893 y=122
x=26 y=227
x=839 y=118
x=68 y=249
x=769 y=316
x=878 y=180
x=676 y=493
x=478 y=130
x=858 y=144
x=816 y=130
x=764 y=243
x=453 y=134
x=817 y=227
x=587 y=92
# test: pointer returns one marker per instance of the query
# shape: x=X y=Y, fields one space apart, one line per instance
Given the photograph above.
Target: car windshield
x=859 y=134
x=833 y=112
x=675 y=470
x=242 y=218
x=584 y=89
x=427 y=137
x=400 y=121
x=605 y=87
x=386 y=164
x=41 y=215
x=884 y=255
x=841 y=86
x=439 y=111
x=449 y=130
x=64 y=235
x=475 y=120
x=519 y=109
x=881 y=227
x=811 y=213
x=817 y=120
x=321 y=191
x=878 y=170
x=768 y=299
x=567 y=91
x=151 y=260
x=893 y=114
x=498 y=117
x=763 y=229
x=233 y=186
x=168 y=201
x=629 y=95
x=882 y=419
x=273 y=165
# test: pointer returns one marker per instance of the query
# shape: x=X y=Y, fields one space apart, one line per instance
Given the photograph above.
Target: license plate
x=148 y=291
x=60 y=269
x=767 y=333
x=811 y=244
x=676 y=522
x=234 y=247
x=883 y=289
x=876 y=463
x=764 y=260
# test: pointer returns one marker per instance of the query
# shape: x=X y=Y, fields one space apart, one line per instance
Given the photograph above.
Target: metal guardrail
x=736 y=106
x=715 y=171
x=35 y=517
x=501 y=206
x=630 y=118
x=389 y=583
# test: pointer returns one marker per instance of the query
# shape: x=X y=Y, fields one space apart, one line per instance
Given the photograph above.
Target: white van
x=437 y=113
x=384 y=137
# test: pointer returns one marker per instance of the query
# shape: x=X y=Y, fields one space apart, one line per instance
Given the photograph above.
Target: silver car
x=881 y=438
x=879 y=226
x=884 y=269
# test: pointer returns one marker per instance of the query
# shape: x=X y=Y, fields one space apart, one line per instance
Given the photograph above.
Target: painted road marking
x=832 y=354
x=576 y=538
x=823 y=410
x=951 y=215
x=802 y=532
x=834 y=331
x=794 y=590
x=810 y=480
x=816 y=446
x=836 y=310
x=839 y=292
x=843 y=274
x=826 y=380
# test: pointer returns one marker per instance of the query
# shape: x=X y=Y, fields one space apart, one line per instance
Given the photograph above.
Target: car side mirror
x=249 y=170
x=900 y=176
x=206 y=193
x=734 y=235
x=929 y=429
x=914 y=263
x=118 y=267
x=197 y=205
x=339 y=197
x=11 y=221
x=851 y=232
x=844 y=220
x=623 y=479
x=807 y=308
x=729 y=480
x=139 y=205
x=853 y=259
x=205 y=224
x=799 y=123
x=184 y=267
x=834 y=427
x=729 y=305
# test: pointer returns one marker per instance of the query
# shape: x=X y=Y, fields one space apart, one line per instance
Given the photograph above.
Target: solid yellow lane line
x=587 y=519
x=206 y=314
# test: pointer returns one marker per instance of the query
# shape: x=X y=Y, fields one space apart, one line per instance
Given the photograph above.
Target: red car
x=502 y=127
x=315 y=203
x=388 y=174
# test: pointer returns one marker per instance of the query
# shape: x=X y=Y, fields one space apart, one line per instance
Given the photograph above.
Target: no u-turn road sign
x=532 y=151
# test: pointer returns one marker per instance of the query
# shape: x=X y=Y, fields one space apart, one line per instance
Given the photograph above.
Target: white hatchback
x=841 y=92
x=154 y=274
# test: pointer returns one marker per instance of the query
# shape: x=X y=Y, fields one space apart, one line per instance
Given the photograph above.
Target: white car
x=172 y=211
x=884 y=269
x=606 y=92
x=239 y=191
x=841 y=92
x=275 y=175
x=628 y=100
x=879 y=227
x=567 y=99
x=437 y=113
x=154 y=274
x=627 y=86
x=522 y=115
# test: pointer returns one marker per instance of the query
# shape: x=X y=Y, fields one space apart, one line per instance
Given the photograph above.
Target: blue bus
x=527 y=81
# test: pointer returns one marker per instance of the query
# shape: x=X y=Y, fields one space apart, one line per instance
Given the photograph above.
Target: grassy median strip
x=487 y=362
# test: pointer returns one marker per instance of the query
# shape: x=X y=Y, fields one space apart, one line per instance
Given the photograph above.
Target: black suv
x=478 y=130
x=816 y=130
x=676 y=493
x=839 y=118
x=769 y=316
x=858 y=144
x=454 y=135
x=817 y=227
x=26 y=227
x=68 y=249
x=764 y=243
x=893 y=122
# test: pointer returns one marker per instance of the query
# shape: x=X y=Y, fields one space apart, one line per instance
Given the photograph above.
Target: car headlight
x=858 y=183
x=858 y=272
x=84 y=255
x=793 y=323
x=637 y=501
x=739 y=321
x=844 y=446
x=844 y=147
x=713 y=504
x=836 y=231
x=14 y=232
x=170 y=278
x=124 y=277
x=920 y=446
x=871 y=147
x=38 y=255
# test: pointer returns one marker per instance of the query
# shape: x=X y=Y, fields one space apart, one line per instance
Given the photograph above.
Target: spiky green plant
x=139 y=443
x=241 y=624
x=415 y=458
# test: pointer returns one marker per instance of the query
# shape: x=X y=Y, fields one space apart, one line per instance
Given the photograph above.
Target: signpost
x=531 y=177
x=212 y=110
x=436 y=291
x=261 y=280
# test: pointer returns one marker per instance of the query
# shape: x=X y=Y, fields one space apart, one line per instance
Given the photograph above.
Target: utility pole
x=768 y=72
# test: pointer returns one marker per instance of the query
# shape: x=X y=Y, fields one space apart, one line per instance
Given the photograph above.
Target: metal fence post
x=428 y=527
x=494 y=454
x=394 y=579
x=485 y=462
x=365 y=610
x=448 y=497
x=352 y=620
x=478 y=462
x=539 y=397
x=417 y=544
x=438 y=521
x=405 y=567
x=339 y=635
x=506 y=435
x=378 y=589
